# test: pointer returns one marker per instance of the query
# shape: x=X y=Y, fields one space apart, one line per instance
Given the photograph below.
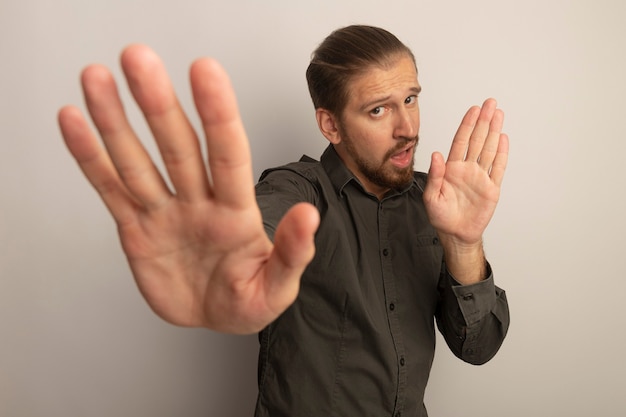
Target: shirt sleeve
x=473 y=319
x=277 y=191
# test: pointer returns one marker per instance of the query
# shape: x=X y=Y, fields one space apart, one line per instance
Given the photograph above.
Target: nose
x=407 y=123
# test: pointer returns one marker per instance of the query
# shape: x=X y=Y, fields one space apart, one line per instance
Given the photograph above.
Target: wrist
x=465 y=261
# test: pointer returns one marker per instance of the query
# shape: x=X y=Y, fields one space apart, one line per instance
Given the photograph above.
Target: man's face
x=378 y=131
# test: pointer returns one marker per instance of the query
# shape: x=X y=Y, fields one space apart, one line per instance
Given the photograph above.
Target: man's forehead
x=399 y=75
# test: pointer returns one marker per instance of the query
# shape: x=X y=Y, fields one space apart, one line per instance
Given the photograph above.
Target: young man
x=346 y=309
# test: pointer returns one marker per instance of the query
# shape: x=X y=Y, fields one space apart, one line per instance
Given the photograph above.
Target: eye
x=377 y=111
x=410 y=99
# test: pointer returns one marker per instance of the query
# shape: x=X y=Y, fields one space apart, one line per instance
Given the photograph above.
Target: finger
x=227 y=144
x=490 y=147
x=500 y=161
x=463 y=133
x=174 y=135
x=479 y=134
x=95 y=164
x=294 y=248
x=131 y=160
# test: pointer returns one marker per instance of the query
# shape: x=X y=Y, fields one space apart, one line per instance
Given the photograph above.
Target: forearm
x=473 y=319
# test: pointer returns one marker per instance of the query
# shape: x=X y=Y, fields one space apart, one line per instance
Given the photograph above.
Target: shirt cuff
x=475 y=300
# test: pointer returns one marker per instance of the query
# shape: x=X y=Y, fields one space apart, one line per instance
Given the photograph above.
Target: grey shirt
x=359 y=340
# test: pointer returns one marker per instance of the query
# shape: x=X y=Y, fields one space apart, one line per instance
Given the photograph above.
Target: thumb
x=294 y=248
x=436 y=173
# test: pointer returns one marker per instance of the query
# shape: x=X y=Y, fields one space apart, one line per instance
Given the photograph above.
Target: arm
x=460 y=197
x=198 y=251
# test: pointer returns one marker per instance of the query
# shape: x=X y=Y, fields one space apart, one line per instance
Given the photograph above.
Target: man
x=394 y=249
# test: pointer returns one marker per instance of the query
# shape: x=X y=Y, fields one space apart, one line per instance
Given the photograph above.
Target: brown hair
x=345 y=53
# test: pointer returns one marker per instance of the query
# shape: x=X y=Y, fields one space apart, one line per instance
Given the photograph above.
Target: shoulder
x=307 y=168
x=293 y=182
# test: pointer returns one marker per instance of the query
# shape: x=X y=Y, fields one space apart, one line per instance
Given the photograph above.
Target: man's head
x=363 y=83
x=344 y=54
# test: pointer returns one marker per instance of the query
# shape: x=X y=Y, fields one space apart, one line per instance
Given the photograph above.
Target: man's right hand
x=199 y=253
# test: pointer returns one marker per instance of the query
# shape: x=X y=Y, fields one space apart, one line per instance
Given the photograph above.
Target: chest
x=372 y=251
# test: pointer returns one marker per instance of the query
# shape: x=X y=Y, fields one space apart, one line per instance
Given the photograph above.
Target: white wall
x=76 y=339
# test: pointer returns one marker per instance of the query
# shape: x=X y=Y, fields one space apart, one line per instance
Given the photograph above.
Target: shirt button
x=385 y=252
x=435 y=240
x=402 y=361
x=392 y=306
x=468 y=296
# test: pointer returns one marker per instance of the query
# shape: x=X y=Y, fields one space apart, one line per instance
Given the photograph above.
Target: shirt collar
x=340 y=175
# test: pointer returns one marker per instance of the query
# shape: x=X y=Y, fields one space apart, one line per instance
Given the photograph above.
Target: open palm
x=198 y=252
x=462 y=192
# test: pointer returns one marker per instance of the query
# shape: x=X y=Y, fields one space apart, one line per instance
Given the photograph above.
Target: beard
x=382 y=174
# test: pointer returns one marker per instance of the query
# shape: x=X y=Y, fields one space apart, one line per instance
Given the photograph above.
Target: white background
x=76 y=338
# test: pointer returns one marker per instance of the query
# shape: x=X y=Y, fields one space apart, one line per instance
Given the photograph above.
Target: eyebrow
x=366 y=106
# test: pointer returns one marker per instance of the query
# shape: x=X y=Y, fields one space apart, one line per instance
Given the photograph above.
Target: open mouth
x=403 y=157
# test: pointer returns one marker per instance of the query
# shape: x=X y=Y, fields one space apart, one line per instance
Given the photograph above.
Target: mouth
x=403 y=157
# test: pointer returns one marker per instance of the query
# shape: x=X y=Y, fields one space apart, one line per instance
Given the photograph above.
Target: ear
x=327 y=124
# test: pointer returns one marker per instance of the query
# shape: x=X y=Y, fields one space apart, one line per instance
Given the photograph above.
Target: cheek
x=371 y=141
x=377 y=133
x=379 y=142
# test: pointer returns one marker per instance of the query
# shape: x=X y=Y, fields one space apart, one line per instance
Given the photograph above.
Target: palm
x=175 y=250
x=199 y=254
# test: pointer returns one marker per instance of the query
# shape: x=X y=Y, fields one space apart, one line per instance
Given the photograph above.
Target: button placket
x=391 y=300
